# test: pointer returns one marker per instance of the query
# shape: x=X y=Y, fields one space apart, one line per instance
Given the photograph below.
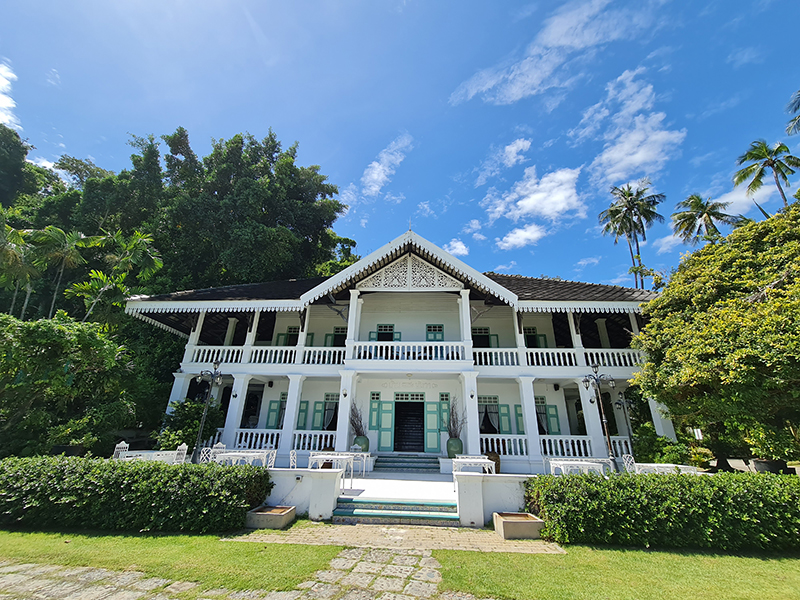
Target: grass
x=620 y=574
x=205 y=559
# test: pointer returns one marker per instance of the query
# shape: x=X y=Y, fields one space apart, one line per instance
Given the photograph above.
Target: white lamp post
x=595 y=380
x=212 y=377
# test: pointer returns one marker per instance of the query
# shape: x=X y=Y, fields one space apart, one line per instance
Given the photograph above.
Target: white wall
x=322 y=320
x=409 y=313
x=481 y=495
x=500 y=320
x=284 y=319
x=544 y=325
x=310 y=491
x=314 y=390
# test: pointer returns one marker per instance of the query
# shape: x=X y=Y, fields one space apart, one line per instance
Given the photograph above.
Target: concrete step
x=393 y=511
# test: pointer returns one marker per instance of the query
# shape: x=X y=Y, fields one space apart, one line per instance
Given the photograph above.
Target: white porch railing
x=256 y=439
x=566 y=445
x=495 y=357
x=271 y=355
x=216 y=437
x=223 y=354
x=323 y=356
x=410 y=351
x=313 y=440
x=613 y=358
x=552 y=358
x=621 y=445
x=505 y=445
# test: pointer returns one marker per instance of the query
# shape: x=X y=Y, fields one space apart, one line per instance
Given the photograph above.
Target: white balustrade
x=323 y=356
x=566 y=445
x=273 y=355
x=222 y=354
x=409 y=351
x=313 y=440
x=613 y=358
x=621 y=445
x=505 y=445
x=495 y=357
x=256 y=439
x=545 y=357
x=214 y=439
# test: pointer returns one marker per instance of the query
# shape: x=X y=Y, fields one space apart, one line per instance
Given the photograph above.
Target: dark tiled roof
x=290 y=289
x=536 y=288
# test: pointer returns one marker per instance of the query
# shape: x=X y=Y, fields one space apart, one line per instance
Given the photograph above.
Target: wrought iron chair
x=629 y=463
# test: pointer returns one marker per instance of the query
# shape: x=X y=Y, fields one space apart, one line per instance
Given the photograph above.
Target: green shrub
x=59 y=492
x=730 y=511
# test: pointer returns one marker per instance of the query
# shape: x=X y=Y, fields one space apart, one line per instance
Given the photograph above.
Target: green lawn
x=618 y=574
x=201 y=558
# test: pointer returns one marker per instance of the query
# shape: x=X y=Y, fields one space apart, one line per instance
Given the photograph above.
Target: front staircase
x=350 y=511
x=406 y=463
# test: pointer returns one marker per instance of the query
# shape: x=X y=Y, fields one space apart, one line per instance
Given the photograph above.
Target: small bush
x=60 y=492
x=731 y=511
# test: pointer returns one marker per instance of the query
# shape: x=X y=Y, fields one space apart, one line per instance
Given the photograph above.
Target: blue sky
x=494 y=129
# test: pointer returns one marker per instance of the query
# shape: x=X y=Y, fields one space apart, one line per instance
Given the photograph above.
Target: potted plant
x=357 y=423
x=455 y=423
x=772 y=447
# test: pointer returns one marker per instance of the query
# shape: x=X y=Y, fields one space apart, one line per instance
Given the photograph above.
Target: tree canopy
x=723 y=339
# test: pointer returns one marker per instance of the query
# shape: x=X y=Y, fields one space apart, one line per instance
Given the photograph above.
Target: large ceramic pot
x=363 y=441
x=762 y=465
x=454 y=446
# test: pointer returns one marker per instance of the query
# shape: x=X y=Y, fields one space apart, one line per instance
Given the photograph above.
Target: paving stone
x=71 y=571
x=291 y=595
x=405 y=560
x=216 y=592
x=92 y=574
x=344 y=564
x=397 y=571
x=323 y=591
x=31 y=584
x=150 y=583
x=247 y=595
x=388 y=584
x=358 y=595
x=12 y=579
x=126 y=578
x=358 y=579
x=92 y=592
x=429 y=575
x=354 y=553
x=429 y=563
x=21 y=567
x=456 y=596
x=124 y=595
x=368 y=567
x=391 y=596
x=60 y=589
x=419 y=588
x=180 y=586
x=379 y=556
x=330 y=576
x=42 y=569
x=306 y=585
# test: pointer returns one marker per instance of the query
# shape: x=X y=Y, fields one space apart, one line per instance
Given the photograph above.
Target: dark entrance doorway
x=409 y=427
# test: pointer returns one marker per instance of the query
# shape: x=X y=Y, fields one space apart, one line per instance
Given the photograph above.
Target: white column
x=634 y=323
x=520 y=337
x=530 y=421
x=194 y=337
x=353 y=317
x=347 y=394
x=577 y=342
x=180 y=387
x=662 y=422
x=247 y=351
x=301 y=339
x=591 y=416
x=602 y=331
x=466 y=323
x=290 y=416
x=263 y=409
x=229 y=333
x=471 y=436
x=235 y=408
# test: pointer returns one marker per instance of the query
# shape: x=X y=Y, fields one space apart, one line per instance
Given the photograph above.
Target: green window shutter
x=280 y=340
x=541 y=340
x=374 y=408
x=317 y=417
x=494 y=341
x=444 y=413
x=386 y=427
x=328 y=340
x=373 y=336
x=553 y=425
x=272 y=414
x=432 y=437
x=302 y=414
x=309 y=339
x=505 y=418
x=519 y=419
x=396 y=336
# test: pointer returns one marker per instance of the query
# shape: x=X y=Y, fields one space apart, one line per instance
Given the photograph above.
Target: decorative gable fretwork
x=410 y=273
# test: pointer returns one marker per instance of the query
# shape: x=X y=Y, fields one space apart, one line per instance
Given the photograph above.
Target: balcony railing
x=313 y=440
x=621 y=445
x=409 y=351
x=504 y=445
x=324 y=356
x=211 y=354
x=613 y=358
x=551 y=358
x=495 y=357
x=256 y=439
x=273 y=355
x=566 y=445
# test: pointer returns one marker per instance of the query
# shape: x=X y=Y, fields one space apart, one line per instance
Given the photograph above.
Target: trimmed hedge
x=725 y=511
x=72 y=492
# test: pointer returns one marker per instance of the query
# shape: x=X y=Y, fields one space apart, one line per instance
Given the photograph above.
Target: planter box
x=269 y=517
x=517 y=526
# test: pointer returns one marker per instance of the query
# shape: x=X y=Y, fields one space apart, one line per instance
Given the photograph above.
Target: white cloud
x=507 y=267
x=378 y=173
x=507 y=156
x=394 y=198
x=364 y=221
x=424 y=208
x=349 y=196
x=667 y=244
x=587 y=262
x=745 y=56
x=473 y=226
x=553 y=197
x=456 y=247
x=741 y=203
x=478 y=236
x=621 y=279
x=42 y=162
x=521 y=237
x=53 y=78
x=575 y=27
x=7 y=104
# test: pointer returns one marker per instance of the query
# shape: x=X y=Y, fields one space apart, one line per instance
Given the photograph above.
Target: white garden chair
x=629 y=463
x=292 y=459
x=121 y=447
x=180 y=454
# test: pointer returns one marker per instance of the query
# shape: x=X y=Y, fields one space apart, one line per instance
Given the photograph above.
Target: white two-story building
x=404 y=334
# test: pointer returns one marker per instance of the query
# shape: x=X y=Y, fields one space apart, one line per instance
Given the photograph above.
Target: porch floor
x=403 y=486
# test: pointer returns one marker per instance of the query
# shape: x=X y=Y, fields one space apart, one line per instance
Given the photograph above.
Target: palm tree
x=134 y=251
x=763 y=157
x=794 y=107
x=631 y=214
x=698 y=217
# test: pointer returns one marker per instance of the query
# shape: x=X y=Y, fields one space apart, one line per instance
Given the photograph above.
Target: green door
x=553 y=425
x=386 y=427
x=432 y=427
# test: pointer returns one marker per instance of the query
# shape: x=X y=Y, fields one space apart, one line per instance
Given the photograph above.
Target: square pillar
x=591 y=416
x=235 y=407
x=465 y=319
x=290 y=416
x=353 y=318
x=471 y=436
x=247 y=351
x=346 y=398
x=194 y=337
x=661 y=420
x=528 y=400
x=180 y=387
x=301 y=339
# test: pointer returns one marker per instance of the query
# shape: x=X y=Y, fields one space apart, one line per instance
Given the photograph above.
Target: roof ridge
x=559 y=279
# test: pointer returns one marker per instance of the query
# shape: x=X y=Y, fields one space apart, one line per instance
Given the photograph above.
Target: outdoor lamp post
x=625 y=405
x=595 y=380
x=214 y=376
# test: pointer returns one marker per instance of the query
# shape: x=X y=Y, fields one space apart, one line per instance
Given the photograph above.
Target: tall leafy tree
x=762 y=157
x=13 y=152
x=696 y=217
x=794 y=107
x=630 y=215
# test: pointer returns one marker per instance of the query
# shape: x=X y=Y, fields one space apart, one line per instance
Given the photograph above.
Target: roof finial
x=409 y=223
